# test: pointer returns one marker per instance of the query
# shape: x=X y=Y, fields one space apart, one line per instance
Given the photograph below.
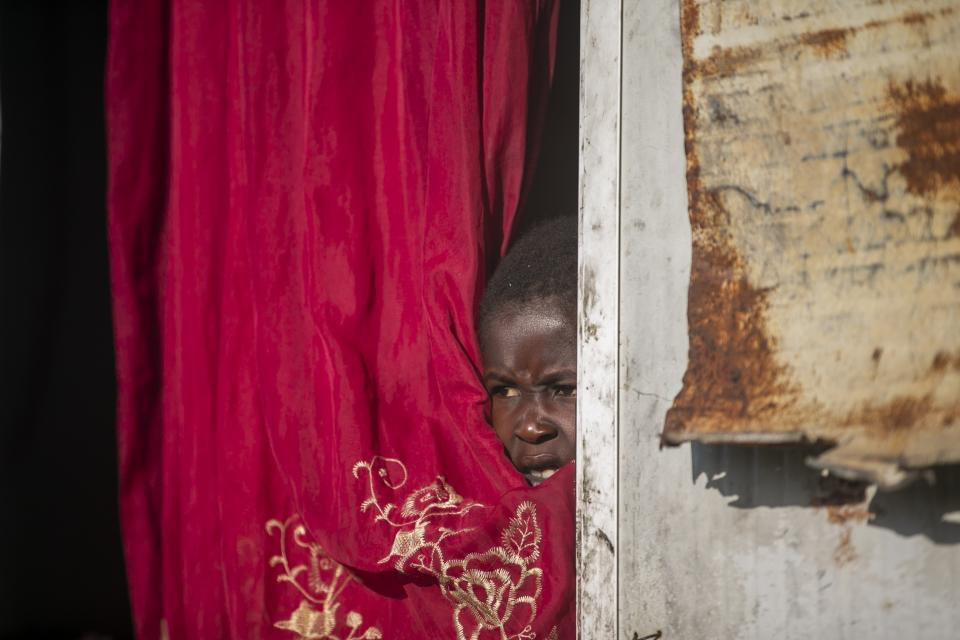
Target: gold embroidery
x=316 y=617
x=493 y=592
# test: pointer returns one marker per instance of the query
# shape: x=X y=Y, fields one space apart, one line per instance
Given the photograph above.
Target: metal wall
x=823 y=171
x=751 y=541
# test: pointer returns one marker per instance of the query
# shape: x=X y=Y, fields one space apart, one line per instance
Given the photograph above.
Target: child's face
x=530 y=372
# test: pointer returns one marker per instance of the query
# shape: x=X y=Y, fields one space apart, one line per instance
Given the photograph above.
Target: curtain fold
x=305 y=199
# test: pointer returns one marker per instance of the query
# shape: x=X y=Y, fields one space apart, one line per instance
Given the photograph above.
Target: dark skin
x=530 y=371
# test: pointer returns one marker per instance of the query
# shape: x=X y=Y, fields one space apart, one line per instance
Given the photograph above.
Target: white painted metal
x=707 y=541
x=598 y=325
x=654 y=271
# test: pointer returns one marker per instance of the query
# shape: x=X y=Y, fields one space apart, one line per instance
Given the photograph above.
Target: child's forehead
x=540 y=311
x=547 y=308
x=542 y=321
x=543 y=308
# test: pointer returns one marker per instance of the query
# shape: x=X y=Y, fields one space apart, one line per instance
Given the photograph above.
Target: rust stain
x=843 y=514
x=916 y=18
x=899 y=414
x=903 y=412
x=827 y=43
x=690 y=25
x=733 y=376
x=953 y=231
x=736 y=382
x=844 y=554
x=942 y=360
x=928 y=125
x=736 y=377
x=904 y=415
x=912 y=19
x=723 y=63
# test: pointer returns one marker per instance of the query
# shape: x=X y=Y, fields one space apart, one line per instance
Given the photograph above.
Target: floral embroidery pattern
x=320 y=582
x=495 y=592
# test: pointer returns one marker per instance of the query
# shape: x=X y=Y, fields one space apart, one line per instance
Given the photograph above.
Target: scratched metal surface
x=823 y=178
x=597 y=354
x=731 y=541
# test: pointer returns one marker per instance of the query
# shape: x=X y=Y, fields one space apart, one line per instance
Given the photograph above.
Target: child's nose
x=534 y=426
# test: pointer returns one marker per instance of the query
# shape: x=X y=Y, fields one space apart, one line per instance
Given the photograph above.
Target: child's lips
x=533 y=461
x=538 y=467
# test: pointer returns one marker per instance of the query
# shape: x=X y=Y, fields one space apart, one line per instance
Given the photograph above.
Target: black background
x=61 y=565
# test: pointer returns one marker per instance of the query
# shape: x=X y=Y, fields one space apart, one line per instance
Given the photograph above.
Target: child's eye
x=565 y=391
x=506 y=392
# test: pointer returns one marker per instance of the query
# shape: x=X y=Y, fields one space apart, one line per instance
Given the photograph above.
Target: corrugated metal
x=823 y=176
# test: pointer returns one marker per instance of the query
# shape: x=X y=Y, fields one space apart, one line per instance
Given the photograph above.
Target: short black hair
x=540 y=266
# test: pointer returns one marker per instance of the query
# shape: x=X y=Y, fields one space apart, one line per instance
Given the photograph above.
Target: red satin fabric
x=305 y=198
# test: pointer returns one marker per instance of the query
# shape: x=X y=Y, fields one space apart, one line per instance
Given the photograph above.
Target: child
x=528 y=340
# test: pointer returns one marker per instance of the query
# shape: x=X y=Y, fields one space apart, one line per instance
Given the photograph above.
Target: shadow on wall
x=775 y=476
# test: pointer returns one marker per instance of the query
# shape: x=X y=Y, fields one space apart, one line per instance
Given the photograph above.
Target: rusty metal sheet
x=823 y=176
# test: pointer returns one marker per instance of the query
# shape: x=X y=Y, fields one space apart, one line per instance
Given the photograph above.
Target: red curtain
x=305 y=199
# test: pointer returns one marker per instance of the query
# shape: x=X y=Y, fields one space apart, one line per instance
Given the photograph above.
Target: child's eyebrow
x=548 y=378
x=495 y=375
x=562 y=374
